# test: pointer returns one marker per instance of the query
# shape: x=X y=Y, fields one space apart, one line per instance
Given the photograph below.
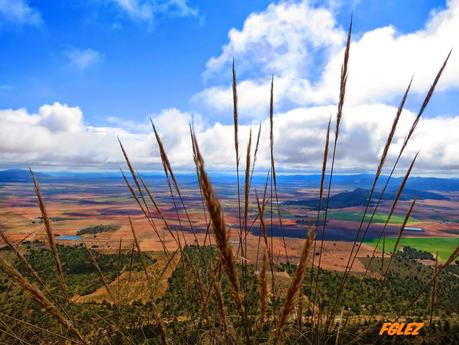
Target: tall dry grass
x=235 y=323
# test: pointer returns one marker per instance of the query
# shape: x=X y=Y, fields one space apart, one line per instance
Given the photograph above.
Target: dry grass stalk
x=273 y=166
x=246 y=193
x=400 y=233
x=156 y=314
x=391 y=212
x=236 y=147
x=137 y=245
x=382 y=233
x=221 y=235
x=215 y=285
x=263 y=289
x=339 y=115
x=433 y=295
x=158 y=210
x=52 y=244
x=170 y=172
x=26 y=263
x=452 y=257
x=389 y=140
x=255 y=153
x=410 y=133
x=39 y=297
x=134 y=175
x=260 y=210
x=100 y=274
x=170 y=178
x=319 y=207
x=144 y=211
x=208 y=223
x=426 y=101
x=269 y=250
x=295 y=286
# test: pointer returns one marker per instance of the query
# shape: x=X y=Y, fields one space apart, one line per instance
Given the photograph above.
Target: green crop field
x=377 y=218
x=444 y=246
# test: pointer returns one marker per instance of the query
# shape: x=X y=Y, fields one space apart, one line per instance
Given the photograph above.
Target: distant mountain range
x=19 y=175
x=352 y=182
x=359 y=197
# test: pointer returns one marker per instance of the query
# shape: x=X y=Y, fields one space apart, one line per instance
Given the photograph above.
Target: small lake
x=68 y=238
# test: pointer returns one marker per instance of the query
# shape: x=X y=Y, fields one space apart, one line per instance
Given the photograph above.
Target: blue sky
x=116 y=62
x=142 y=66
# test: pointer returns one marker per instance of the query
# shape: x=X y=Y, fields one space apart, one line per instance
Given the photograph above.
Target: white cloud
x=18 y=11
x=82 y=59
x=57 y=136
x=292 y=40
x=147 y=10
x=302 y=46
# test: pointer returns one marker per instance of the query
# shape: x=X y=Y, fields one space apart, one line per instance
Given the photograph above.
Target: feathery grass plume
x=263 y=290
x=255 y=153
x=221 y=236
x=273 y=166
x=426 y=101
x=100 y=274
x=433 y=295
x=39 y=297
x=207 y=221
x=144 y=211
x=295 y=285
x=400 y=233
x=247 y=192
x=236 y=147
x=52 y=243
x=156 y=313
x=339 y=115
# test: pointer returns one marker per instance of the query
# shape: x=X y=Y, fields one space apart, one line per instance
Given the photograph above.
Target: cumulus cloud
x=83 y=58
x=302 y=45
x=147 y=10
x=18 y=11
x=56 y=135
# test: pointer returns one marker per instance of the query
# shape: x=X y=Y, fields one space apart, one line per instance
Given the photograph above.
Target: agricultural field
x=443 y=246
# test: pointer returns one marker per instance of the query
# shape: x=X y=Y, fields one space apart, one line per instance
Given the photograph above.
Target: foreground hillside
x=122 y=312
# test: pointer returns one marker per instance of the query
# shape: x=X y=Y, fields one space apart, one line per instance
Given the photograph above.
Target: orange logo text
x=396 y=328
